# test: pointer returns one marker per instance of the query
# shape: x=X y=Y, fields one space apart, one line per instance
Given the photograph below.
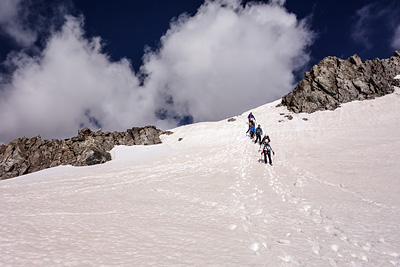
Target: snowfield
x=332 y=197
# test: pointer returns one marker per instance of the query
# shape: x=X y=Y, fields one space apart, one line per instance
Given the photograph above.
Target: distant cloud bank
x=225 y=59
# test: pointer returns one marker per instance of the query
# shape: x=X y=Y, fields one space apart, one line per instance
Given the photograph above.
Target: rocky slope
x=27 y=155
x=334 y=81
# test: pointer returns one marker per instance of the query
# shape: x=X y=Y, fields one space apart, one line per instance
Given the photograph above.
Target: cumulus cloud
x=225 y=59
x=69 y=85
x=221 y=61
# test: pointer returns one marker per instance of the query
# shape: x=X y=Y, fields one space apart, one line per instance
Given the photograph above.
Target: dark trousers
x=258 y=137
x=251 y=134
x=269 y=156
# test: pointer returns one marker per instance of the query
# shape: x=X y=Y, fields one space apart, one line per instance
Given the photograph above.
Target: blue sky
x=365 y=27
x=343 y=28
x=67 y=64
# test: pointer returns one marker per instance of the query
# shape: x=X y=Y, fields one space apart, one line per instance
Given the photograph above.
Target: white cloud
x=11 y=22
x=278 y=2
x=361 y=29
x=220 y=62
x=396 y=39
x=374 y=18
x=72 y=81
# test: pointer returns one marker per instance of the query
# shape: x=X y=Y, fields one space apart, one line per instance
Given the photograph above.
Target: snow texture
x=332 y=197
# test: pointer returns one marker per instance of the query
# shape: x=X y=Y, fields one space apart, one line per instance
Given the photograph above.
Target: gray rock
x=335 y=81
x=27 y=155
x=290 y=117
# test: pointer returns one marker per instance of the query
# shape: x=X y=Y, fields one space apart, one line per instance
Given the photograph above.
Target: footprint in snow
x=394 y=254
x=232 y=227
x=258 y=212
x=364 y=257
x=316 y=249
x=284 y=242
x=307 y=209
x=367 y=247
x=286 y=258
x=254 y=247
x=335 y=248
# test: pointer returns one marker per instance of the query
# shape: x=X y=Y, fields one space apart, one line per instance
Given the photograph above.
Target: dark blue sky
x=126 y=27
x=336 y=21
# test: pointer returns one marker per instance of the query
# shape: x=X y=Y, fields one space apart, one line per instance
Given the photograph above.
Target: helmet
x=251 y=112
x=259 y=125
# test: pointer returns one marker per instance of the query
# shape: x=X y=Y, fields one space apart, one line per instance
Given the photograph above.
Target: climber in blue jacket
x=251 y=129
x=251 y=117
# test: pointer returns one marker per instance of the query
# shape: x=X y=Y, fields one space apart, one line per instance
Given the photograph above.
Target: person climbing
x=251 y=130
x=259 y=133
x=267 y=149
x=251 y=117
x=265 y=138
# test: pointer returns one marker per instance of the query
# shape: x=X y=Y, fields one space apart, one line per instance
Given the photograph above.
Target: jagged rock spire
x=334 y=81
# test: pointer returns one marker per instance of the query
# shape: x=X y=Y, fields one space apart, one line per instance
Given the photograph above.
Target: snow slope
x=332 y=197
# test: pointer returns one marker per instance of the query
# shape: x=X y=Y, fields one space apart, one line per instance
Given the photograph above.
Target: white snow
x=332 y=197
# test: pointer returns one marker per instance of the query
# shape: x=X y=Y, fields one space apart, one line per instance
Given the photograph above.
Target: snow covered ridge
x=330 y=83
x=335 y=81
x=27 y=155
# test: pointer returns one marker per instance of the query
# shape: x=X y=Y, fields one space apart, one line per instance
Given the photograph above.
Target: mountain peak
x=335 y=81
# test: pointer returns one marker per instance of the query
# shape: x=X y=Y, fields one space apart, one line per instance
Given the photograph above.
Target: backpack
x=267 y=147
x=266 y=138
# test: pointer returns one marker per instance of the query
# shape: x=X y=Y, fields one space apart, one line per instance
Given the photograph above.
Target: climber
x=251 y=117
x=267 y=149
x=265 y=139
x=259 y=133
x=251 y=130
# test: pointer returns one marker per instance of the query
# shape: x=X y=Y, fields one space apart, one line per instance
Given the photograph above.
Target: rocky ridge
x=335 y=81
x=27 y=155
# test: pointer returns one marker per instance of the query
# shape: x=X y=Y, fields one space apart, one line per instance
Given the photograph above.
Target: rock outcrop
x=27 y=155
x=334 y=81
